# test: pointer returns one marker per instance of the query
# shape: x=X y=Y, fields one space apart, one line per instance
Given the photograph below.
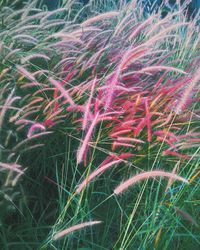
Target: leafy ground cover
x=98 y=104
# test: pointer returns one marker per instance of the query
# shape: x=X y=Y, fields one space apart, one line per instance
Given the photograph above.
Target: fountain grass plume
x=146 y=175
x=74 y=228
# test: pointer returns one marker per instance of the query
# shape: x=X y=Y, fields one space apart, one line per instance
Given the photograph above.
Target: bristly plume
x=146 y=175
x=85 y=142
x=99 y=18
x=88 y=105
x=63 y=91
x=186 y=216
x=97 y=172
x=26 y=73
x=13 y=167
x=189 y=91
x=74 y=228
x=35 y=127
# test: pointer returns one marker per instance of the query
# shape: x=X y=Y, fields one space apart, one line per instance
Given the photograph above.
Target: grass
x=93 y=98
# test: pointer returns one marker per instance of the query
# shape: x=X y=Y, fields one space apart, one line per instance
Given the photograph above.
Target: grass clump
x=84 y=93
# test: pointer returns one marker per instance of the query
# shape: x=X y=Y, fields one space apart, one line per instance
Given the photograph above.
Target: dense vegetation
x=97 y=104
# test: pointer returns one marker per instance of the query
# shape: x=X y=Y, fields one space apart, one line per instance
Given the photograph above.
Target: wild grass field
x=99 y=127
